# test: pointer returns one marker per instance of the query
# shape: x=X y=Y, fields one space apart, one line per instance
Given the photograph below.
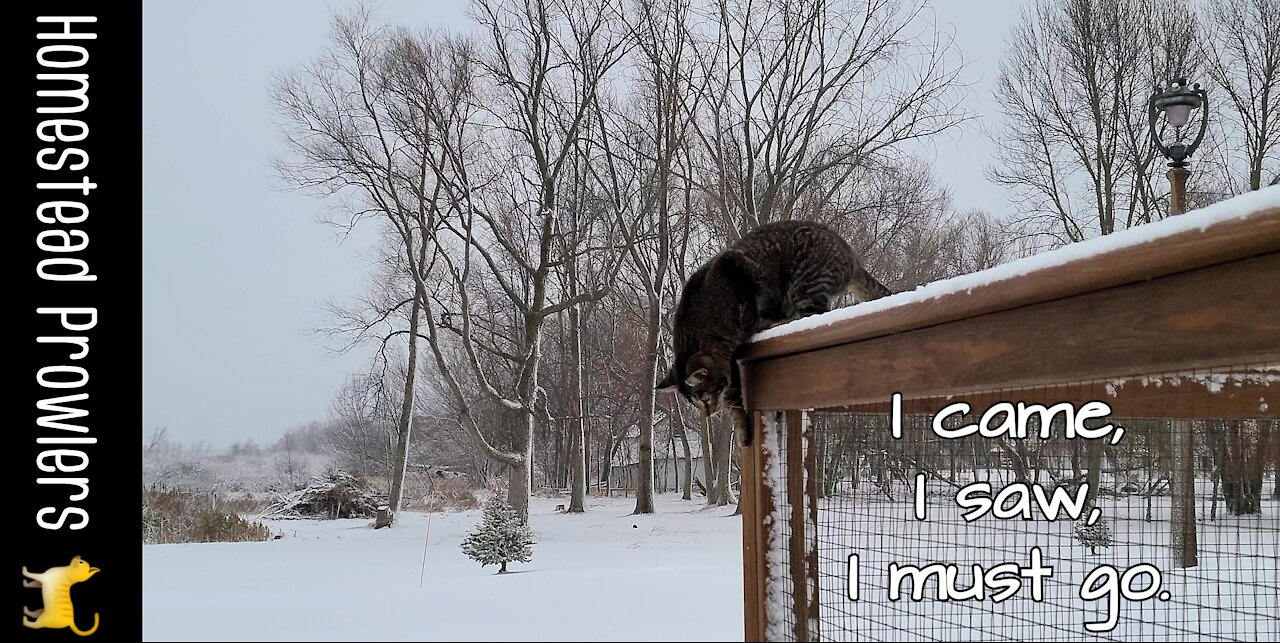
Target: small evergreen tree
x=500 y=539
x=1094 y=536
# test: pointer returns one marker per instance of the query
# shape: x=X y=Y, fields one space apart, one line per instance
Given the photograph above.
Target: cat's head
x=79 y=570
x=703 y=382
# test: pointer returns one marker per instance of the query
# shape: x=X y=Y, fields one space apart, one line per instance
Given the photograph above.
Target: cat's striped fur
x=777 y=273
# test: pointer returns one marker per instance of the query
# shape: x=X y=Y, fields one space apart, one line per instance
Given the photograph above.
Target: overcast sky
x=236 y=272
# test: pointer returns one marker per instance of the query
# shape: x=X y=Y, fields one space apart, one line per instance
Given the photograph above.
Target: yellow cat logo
x=55 y=589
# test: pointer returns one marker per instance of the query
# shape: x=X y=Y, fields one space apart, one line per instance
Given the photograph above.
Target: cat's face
x=80 y=570
x=703 y=384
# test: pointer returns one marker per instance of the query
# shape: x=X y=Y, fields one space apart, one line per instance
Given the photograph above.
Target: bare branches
x=1242 y=50
x=566 y=166
x=1073 y=89
x=804 y=91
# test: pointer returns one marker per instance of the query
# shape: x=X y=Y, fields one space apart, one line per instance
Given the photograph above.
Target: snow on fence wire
x=1169 y=336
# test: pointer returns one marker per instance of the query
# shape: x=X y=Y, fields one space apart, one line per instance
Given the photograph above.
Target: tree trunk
x=578 y=422
x=1246 y=445
x=520 y=480
x=606 y=462
x=708 y=462
x=644 y=486
x=405 y=427
x=1094 y=477
x=555 y=460
x=1213 y=499
x=724 y=467
x=688 y=455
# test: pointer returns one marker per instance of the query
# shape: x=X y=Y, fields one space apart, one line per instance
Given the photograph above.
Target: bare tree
x=566 y=167
x=803 y=93
x=676 y=417
x=288 y=462
x=158 y=436
x=543 y=62
x=351 y=134
x=361 y=429
x=1074 y=149
x=377 y=318
x=1073 y=88
x=1242 y=54
x=585 y=221
x=641 y=150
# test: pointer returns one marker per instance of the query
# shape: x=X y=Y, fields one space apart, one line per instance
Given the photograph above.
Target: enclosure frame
x=1199 y=297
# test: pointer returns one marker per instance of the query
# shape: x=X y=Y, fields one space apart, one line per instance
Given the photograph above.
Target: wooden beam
x=1227 y=314
x=1190 y=249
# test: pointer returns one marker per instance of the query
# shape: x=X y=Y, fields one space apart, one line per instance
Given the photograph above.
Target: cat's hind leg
x=32 y=613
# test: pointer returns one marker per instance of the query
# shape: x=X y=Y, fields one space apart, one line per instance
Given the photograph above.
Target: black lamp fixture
x=1177 y=102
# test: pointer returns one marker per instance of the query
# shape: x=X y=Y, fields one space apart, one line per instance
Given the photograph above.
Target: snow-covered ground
x=677 y=575
x=673 y=575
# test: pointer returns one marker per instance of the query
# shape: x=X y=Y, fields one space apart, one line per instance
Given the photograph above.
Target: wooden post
x=1182 y=480
x=756 y=507
x=1177 y=189
x=796 y=544
x=384 y=517
x=1182 y=492
x=811 y=528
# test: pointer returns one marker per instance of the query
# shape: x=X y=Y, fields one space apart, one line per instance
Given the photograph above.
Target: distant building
x=668 y=462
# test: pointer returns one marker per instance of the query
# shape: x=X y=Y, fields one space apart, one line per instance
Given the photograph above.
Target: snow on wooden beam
x=1238 y=228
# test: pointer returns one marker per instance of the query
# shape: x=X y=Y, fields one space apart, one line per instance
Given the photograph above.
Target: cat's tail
x=90 y=630
x=867 y=287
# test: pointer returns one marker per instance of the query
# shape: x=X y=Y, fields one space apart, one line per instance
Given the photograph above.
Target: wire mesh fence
x=1014 y=521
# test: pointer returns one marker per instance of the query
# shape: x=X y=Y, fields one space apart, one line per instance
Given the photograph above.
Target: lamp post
x=1176 y=102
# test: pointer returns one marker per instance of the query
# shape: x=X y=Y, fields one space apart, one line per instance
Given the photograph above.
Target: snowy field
x=674 y=575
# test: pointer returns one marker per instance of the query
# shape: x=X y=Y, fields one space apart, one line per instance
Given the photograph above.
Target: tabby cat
x=777 y=273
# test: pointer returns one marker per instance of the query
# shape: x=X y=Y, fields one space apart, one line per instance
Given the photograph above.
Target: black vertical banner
x=72 y=454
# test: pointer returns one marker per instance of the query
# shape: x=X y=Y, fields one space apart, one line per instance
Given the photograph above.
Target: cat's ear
x=741 y=271
x=734 y=261
x=668 y=382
